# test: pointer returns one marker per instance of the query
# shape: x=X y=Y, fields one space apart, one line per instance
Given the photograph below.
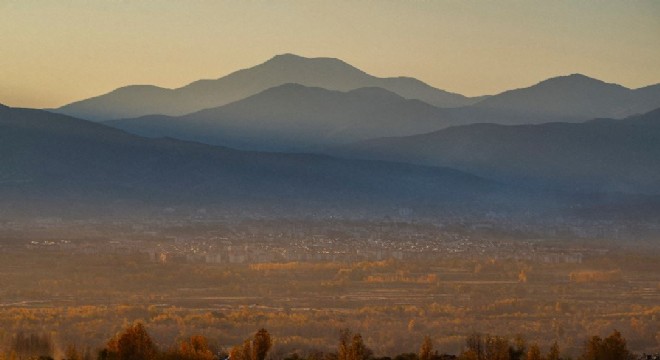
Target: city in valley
x=394 y=280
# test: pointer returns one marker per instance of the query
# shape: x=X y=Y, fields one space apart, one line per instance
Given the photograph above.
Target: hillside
x=51 y=158
x=574 y=97
x=293 y=117
x=600 y=155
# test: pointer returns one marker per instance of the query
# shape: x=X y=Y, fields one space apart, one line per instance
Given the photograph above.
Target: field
x=84 y=299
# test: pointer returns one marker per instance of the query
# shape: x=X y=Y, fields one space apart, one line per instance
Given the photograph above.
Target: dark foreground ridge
x=55 y=159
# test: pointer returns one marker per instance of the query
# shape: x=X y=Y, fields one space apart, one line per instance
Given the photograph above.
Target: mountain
x=602 y=155
x=61 y=162
x=293 y=117
x=570 y=98
x=328 y=73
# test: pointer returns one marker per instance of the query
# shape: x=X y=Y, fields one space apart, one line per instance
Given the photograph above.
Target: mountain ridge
x=293 y=117
x=575 y=96
x=607 y=155
x=56 y=159
x=329 y=73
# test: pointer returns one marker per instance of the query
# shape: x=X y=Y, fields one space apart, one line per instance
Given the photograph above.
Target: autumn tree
x=236 y=352
x=616 y=347
x=32 y=346
x=242 y=352
x=261 y=344
x=344 y=344
x=255 y=349
x=133 y=344
x=425 y=351
x=553 y=353
x=518 y=348
x=72 y=353
x=358 y=350
x=246 y=350
x=593 y=348
x=87 y=353
x=534 y=352
x=195 y=348
x=496 y=348
x=468 y=355
x=475 y=347
x=352 y=348
x=611 y=348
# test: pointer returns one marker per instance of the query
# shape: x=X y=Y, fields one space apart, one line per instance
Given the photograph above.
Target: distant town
x=199 y=240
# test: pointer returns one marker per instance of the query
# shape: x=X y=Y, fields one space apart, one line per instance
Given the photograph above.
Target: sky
x=55 y=52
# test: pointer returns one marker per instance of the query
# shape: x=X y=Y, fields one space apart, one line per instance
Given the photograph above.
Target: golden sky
x=56 y=51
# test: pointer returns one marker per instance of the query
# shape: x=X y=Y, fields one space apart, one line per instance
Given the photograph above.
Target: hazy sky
x=56 y=51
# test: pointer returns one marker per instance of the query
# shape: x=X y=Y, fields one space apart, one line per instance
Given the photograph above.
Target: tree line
x=135 y=343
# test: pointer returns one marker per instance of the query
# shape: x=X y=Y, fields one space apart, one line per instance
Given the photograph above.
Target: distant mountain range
x=56 y=164
x=575 y=96
x=397 y=140
x=292 y=104
x=327 y=73
x=47 y=157
x=572 y=98
x=293 y=117
x=602 y=155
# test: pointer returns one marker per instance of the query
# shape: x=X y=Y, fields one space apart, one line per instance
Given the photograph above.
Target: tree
x=135 y=344
x=592 y=348
x=615 y=347
x=468 y=355
x=71 y=353
x=246 y=350
x=611 y=348
x=534 y=352
x=475 y=346
x=87 y=353
x=425 y=351
x=344 y=345
x=261 y=344
x=255 y=349
x=236 y=353
x=358 y=350
x=553 y=354
x=196 y=348
x=518 y=349
x=497 y=348
x=32 y=346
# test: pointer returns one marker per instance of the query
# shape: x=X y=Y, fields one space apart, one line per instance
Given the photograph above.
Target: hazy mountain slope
x=294 y=117
x=647 y=98
x=328 y=73
x=49 y=156
x=598 y=155
x=573 y=97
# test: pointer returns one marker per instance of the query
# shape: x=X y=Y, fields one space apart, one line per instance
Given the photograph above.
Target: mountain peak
x=572 y=97
x=579 y=76
x=321 y=65
x=293 y=58
x=576 y=79
x=287 y=56
x=324 y=72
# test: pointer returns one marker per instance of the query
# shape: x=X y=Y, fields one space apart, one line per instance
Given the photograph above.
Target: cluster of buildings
x=205 y=239
x=349 y=244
